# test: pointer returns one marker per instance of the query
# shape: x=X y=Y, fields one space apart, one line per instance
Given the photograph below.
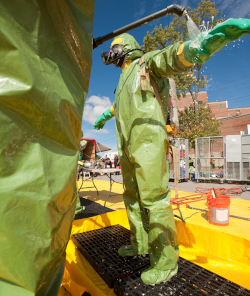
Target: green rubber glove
x=100 y=122
x=206 y=44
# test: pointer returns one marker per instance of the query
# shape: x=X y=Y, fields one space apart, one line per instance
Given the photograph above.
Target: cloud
x=234 y=8
x=184 y=3
x=98 y=101
x=209 y=84
x=92 y=133
x=142 y=8
x=94 y=108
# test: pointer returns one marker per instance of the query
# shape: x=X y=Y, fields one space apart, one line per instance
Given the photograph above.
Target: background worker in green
x=142 y=139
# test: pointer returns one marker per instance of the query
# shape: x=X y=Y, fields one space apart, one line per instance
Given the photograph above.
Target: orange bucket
x=218 y=209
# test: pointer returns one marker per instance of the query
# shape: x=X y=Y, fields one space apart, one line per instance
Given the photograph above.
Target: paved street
x=191 y=186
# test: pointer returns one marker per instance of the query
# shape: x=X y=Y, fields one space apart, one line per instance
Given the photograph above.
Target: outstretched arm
x=107 y=115
x=206 y=44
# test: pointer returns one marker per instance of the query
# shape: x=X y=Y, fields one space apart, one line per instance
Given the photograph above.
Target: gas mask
x=115 y=56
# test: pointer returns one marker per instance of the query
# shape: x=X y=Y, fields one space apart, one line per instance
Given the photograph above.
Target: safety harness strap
x=144 y=73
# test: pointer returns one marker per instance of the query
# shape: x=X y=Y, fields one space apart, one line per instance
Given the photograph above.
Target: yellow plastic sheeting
x=236 y=227
x=225 y=250
x=114 y=201
x=224 y=254
x=79 y=276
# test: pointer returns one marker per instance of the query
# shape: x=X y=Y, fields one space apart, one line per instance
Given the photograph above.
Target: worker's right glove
x=206 y=44
x=100 y=122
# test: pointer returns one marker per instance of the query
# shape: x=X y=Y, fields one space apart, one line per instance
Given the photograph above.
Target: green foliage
x=161 y=37
x=194 y=125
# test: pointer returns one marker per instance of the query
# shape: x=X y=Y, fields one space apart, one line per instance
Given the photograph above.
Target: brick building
x=187 y=101
x=235 y=124
x=234 y=120
x=220 y=110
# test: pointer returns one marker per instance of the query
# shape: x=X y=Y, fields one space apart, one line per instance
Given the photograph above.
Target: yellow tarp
x=114 y=201
x=79 y=276
x=225 y=250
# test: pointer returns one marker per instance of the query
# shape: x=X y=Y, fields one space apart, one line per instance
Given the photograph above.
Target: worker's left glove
x=206 y=44
x=100 y=122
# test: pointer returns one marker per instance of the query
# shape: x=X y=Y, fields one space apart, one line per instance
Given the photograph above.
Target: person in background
x=116 y=163
x=191 y=162
x=116 y=160
x=108 y=162
x=212 y=162
x=191 y=169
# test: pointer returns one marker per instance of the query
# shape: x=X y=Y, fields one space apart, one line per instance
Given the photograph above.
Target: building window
x=220 y=105
x=199 y=102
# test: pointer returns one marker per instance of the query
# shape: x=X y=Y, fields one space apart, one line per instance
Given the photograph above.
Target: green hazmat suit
x=46 y=57
x=142 y=146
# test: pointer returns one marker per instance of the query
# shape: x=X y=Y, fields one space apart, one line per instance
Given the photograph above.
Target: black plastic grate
x=91 y=209
x=190 y=280
x=100 y=248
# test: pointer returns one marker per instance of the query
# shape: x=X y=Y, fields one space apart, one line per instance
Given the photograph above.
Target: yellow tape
x=112 y=110
x=126 y=64
x=116 y=41
x=180 y=54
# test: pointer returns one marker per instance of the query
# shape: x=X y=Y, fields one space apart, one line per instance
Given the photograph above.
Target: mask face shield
x=105 y=57
x=115 y=56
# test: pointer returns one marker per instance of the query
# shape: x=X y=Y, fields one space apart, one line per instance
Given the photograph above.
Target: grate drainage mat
x=91 y=209
x=100 y=248
x=191 y=280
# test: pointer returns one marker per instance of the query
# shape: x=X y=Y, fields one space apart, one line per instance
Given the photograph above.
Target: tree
x=177 y=30
x=194 y=125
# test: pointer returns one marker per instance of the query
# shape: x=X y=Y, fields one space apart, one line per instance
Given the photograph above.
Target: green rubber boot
x=79 y=207
x=126 y=251
x=153 y=276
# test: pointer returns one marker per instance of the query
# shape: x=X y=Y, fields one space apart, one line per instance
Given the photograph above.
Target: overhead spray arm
x=174 y=8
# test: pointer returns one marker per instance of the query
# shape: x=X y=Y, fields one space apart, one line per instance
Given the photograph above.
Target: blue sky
x=228 y=71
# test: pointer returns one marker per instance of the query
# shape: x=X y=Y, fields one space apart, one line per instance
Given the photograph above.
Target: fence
x=226 y=158
x=182 y=157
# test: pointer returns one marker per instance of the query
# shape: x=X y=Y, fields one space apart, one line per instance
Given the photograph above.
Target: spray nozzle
x=186 y=15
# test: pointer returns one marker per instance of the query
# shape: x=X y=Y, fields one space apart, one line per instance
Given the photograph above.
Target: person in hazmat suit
x=142 y=141
x=46 y=56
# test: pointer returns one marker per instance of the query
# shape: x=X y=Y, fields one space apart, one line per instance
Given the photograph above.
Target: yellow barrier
x=224 y=250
